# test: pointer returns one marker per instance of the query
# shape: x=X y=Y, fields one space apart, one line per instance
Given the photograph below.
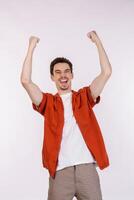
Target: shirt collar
x=57 y=94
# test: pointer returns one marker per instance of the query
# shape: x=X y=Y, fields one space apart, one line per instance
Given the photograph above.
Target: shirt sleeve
x=42 y=106
x=90 y=98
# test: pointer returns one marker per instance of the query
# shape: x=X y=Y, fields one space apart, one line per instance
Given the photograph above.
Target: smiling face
x=62 y=77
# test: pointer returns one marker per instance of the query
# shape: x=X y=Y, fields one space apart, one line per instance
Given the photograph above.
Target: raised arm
x=99 y=82
x=32 y=89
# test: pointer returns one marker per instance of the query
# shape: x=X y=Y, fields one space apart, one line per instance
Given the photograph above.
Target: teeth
x=63 y=81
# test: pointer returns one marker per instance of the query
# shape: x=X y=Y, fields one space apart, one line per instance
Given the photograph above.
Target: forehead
x=61 y=66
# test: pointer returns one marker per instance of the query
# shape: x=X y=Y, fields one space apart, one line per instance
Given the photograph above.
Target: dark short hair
x=60 y=60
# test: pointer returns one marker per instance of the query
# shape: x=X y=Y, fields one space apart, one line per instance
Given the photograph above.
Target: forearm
x=27 y=66
x=99 y=82
x=104 y=61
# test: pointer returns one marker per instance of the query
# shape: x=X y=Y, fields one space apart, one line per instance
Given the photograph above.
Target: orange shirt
x=51 y=107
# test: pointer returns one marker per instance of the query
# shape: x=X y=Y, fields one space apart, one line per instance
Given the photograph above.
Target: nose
x=63 y=74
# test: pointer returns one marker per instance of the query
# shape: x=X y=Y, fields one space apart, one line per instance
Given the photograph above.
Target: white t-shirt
x=73 y=149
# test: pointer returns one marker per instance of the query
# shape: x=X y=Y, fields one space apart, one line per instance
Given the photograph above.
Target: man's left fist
x=93 y=36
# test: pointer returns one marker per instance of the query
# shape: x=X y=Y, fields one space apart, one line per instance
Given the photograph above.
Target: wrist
x=98 y=42
x=30 y=49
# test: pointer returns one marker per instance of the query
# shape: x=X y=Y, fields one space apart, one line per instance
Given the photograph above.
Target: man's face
x=62 y=77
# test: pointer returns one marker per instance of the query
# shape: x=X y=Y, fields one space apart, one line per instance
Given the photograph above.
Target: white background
x=62 y=27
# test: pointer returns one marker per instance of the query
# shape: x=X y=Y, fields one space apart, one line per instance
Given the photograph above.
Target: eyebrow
x=58 y=70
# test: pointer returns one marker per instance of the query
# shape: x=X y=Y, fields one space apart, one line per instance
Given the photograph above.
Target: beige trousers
x=80 y=181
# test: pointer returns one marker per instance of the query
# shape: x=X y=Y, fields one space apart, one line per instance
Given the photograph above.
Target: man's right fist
x=33 y=41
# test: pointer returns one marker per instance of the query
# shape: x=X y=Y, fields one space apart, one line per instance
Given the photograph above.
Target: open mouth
x=64 y=81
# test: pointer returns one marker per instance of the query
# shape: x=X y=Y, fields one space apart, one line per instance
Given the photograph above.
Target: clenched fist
x=93 y=36
x=33 y=41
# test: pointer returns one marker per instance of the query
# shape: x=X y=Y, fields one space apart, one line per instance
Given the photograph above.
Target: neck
x=60 y=92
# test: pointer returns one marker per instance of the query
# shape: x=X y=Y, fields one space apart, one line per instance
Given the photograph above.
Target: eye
x=67 y=71
x=57 y=72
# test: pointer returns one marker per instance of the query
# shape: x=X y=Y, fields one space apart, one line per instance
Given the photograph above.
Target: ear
x=52 y=78
x=72 y=75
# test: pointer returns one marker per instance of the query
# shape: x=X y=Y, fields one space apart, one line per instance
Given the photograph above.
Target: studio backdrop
x=62 y=27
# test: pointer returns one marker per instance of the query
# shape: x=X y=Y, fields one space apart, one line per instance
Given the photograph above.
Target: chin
x=64 y=88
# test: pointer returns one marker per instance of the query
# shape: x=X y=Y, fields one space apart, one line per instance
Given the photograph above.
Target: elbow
x=25 y=81
x=108 y=72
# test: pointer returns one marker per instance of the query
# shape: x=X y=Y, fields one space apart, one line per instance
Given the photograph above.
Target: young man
x=73 y=144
